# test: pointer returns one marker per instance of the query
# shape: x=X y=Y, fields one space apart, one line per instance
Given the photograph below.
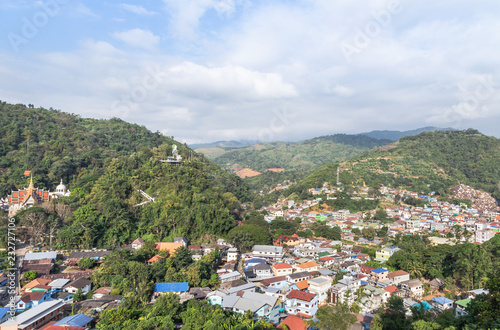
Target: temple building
x=31 y=196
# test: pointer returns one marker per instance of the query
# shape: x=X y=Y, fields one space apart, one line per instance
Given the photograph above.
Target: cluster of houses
x=440 y=217
x=43 y=302
x=278 y=283
x=281 y=285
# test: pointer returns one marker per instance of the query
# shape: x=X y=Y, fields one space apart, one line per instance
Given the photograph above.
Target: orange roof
x=391 y=289
x=170 y=247
x=35 y=282
x=26 y=173
x=308 y=264
x=156 y=258
x=294 y=323
x=282 y=266
x=302 y=285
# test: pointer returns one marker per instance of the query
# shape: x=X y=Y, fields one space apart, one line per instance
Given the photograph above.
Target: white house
x=82 y=283
x=320 y=286
x=267 y=251
x=232 y=254
x=301 y=303
x=413 y=288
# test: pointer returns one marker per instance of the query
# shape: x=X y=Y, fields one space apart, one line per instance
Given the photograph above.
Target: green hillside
x=396 y=135
x=432 y=161
x=299 y=156
x=104 y=163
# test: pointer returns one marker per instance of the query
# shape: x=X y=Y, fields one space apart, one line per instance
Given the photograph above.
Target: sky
x=209 y=70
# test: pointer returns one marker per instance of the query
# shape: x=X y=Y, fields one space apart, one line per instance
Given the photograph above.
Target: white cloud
x=138 y=38
x=185 y=15
x=228 y=82
x=136 y=9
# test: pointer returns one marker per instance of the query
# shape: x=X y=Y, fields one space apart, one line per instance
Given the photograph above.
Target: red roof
x=268 y=281
x=326 y=258
x=282 y=266
x=397 y=273
x=391 y=289
x=294 y=323
x=301 y=295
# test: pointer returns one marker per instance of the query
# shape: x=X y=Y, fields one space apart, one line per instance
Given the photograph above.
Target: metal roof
x=40 y=255
x=35 y=313
x=77 y=320
x=172 y=287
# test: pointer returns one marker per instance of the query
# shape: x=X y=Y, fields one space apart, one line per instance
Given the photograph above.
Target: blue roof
x=442 y=300
x=255 y=260
x=77 y=320
x=379 y=270
x=426 y=305
x=364 y=283
x=172 y=287
x=3 y=311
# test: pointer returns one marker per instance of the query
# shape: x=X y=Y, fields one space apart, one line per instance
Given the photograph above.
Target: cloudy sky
x=207 y=70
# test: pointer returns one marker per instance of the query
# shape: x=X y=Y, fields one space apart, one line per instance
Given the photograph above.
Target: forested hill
x=104 y=163
x=62 y=144
x=294 y=156
x=432 y=161
x=396 y=135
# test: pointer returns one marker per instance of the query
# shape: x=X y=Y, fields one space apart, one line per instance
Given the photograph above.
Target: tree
x=86 y=263
x=381 y=215
x=334 y=317
x=30 y=275
x=369 y=233
x=394 y=317
x=383 y=231
x=79 y=296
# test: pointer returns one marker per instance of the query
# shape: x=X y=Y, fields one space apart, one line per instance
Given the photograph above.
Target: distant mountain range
x=430 y=161
x=378 y=134
x=224 y=144
x=298 y=156
x=396 y=135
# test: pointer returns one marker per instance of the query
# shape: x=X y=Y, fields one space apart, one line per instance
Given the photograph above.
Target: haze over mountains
x=298 y=156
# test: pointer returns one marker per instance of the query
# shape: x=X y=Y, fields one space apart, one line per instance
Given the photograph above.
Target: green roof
x=324 y=254
x=463 y=303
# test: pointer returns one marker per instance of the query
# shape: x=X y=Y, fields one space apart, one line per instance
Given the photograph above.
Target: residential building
x=385 y=253
x=309 y=266
x=303 y=304
x=36 y=317
x=413 y=288
x=232 y=254
x=484 y=235
x=76 y=320
x=230 y=276
x=297 y=277
x=268 y=251
x=442 y=303
x=282 y=269
x=170 y=247
x=320 y=286
x=378 y=275
x=398 y=276
x=460 y=305
x=171 y=287
x=137 y=243
x=82 y=283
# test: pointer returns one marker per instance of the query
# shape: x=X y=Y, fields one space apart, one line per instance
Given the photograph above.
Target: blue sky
x=206 y=70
